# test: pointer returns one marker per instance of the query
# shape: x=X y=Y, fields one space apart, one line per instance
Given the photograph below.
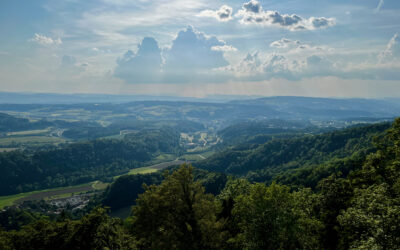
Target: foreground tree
x=177 y=214
x=94 y=231
x=372 y=221
x=270 y=217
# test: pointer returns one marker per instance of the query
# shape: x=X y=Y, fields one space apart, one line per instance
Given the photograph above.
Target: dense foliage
x=124 y=190
x=265 y=161
x=244 y=131
x=359 y=210
x=81 y=162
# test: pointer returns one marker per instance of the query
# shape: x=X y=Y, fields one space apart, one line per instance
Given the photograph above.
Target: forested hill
x=83 y=161
x=279 y=155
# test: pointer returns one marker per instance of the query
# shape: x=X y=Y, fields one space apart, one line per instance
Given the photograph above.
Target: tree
x=177 y=214
x=271 y=218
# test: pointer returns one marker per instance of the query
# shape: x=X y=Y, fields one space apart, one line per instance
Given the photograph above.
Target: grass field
x=192 y=157
x=7 y=149
x=50 y=193
x=29 y=132
x=30 y=140
x=153 y=168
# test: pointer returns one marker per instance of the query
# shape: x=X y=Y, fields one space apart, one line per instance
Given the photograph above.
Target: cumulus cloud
x=223 y=14
x=253 y=13
x=392 y=50
x=191 y=58
x=192 y=51
x=255 y=68
x=142 y=67
x=45 y=41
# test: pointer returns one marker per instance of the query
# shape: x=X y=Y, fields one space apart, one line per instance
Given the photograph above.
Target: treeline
x=82 y=162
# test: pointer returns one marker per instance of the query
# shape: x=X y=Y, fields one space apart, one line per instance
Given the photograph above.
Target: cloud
x=223 y=14
x=253 y=13
x=192 y=51
x=191 y=58
x=254 y=68
x=392 y=50
x=252 y=6
x=224 y=48
x=142 y=67
x=298 y=47
x=285 y=43
x=380 y=4
x=45 y=41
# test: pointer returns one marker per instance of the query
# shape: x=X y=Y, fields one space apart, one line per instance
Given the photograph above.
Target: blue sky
x=197 y=48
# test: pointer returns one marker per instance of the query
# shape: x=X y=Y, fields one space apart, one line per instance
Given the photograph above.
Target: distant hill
x=204 y=111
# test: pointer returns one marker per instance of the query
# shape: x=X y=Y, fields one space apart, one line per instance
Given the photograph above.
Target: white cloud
x=191 y=58
x=392 y=50
x=253 y=13
x=298 y=47
x=285 y=43
x=223 y=14
x=380 y=4
x=45 y=41
x=224 y=48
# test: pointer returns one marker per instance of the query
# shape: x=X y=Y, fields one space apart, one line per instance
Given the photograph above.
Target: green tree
x=270 y=217
x=372 y=221
x=177 y=214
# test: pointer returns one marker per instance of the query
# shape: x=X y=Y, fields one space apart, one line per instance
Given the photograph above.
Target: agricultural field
x=29 y=132
x=7 y=149
x=44 y=194
x=63 y=192
x=23 y=141
x=155 y=167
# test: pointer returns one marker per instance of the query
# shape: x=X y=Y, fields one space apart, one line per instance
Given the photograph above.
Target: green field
x=46 y=194
x=143 y=170
x=30 y=140
x=153 y=168
x=7 y=149
x=192 y=157
x=29 y=132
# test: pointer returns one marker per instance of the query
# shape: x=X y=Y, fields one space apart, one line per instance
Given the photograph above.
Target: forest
x=188 y=208
x=81 y=162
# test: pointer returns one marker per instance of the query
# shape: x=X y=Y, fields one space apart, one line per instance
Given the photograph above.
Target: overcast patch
x=253 y=13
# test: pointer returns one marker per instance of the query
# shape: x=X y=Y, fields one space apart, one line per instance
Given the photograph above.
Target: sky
x=198 y=48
